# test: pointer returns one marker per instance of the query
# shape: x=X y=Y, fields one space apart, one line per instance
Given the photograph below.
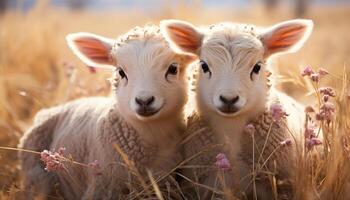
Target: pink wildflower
x=307 y=71
x=249 y=128
x=220 y=156
x=277 y=112
x=327 y=91
x=309 y=132
x=222 y=163
x=315 y=77
x=326 y=112
x=53 y=160
x=287 y=142
x=310 y=137
x=61 y=150
x=95 y=166
x=311 y=142
x=325 y=98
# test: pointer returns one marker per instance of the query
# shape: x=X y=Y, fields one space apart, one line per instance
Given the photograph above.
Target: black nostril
x=139 y=101
x=229 y=101
x=145 y=102
x=234 y=100
x=150 y=100
x=223 y=99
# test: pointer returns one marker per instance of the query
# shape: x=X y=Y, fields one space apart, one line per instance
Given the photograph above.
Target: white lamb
x=144 y=117
x=232 y=90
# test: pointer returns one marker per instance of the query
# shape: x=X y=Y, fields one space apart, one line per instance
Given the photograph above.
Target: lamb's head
x=232 y=57
x=150 y=81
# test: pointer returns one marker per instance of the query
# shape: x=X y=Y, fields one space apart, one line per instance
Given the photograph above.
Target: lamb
x=233 y=90
x=143 y=119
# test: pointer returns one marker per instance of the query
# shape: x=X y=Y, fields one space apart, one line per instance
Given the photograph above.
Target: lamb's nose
x=144 y=101
x=229 y=101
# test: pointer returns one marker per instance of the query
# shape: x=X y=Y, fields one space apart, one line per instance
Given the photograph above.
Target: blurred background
x=38 y=70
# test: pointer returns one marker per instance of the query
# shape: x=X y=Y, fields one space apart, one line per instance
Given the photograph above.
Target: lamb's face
x=231 y=78
x=231 y=73
x=152 y=81
x=151 y=77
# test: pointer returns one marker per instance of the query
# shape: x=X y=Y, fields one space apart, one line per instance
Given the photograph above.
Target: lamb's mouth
x=146 y=111
x=228 y=111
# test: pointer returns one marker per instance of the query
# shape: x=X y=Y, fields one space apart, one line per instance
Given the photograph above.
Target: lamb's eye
x=122 y=73
x=172 y=70
x=205 y=67
x=256 y=69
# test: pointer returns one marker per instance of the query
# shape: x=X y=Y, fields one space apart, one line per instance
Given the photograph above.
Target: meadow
x=38 y=70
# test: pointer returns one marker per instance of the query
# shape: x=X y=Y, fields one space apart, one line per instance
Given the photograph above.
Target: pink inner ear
x=185 y=38
x=284 y=38
x=93 y=49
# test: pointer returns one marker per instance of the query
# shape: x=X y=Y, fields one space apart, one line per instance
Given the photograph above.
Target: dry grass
x=34 y=62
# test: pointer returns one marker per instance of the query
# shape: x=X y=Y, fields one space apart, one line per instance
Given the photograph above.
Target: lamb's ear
x=182 y=36
x=286 y=37
x=92 y=49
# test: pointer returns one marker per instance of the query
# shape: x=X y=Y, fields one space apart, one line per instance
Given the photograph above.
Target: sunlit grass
x=37 y=70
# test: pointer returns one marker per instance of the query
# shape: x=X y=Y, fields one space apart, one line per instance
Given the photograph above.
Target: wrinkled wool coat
x=89 y=129
x=276 y=158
